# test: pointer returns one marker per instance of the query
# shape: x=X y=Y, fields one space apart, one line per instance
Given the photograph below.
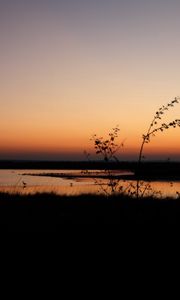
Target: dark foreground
x=50 y=212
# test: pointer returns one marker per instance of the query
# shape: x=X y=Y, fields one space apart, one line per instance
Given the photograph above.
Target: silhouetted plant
x=107 y=149
x=154 y=127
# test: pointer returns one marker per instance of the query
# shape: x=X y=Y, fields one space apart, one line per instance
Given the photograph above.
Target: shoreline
x=115 y=177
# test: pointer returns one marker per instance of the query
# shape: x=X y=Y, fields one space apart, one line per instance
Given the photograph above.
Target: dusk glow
x=73 y=68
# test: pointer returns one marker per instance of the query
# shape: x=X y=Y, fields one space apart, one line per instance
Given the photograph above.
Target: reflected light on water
x=12 y=181
x=60 y=190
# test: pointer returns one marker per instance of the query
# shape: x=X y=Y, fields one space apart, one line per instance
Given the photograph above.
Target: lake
x=15 y=181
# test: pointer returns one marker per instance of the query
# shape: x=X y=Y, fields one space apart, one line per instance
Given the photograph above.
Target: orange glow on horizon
x=70 y=70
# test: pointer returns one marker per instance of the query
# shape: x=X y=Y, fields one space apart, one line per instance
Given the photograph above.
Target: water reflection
x=12 y=181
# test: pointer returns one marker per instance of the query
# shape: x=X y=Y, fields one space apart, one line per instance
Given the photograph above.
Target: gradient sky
x=72 y=68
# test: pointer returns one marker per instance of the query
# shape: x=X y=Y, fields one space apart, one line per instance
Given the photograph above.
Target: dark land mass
x=147 y=170
x=65 y=165
x=49 y=212
x=82 y=175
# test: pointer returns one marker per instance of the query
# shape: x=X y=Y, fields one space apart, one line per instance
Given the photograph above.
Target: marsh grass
x=48 y=211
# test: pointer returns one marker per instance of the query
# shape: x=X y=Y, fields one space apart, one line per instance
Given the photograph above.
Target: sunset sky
x=72 y=68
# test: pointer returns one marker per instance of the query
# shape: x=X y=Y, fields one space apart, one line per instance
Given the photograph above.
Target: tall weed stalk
x=154 y=128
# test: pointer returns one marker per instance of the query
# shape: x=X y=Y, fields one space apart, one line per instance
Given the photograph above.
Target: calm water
x=12 y=181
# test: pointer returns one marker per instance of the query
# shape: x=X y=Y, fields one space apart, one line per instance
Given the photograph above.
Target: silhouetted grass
x=49 y=212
